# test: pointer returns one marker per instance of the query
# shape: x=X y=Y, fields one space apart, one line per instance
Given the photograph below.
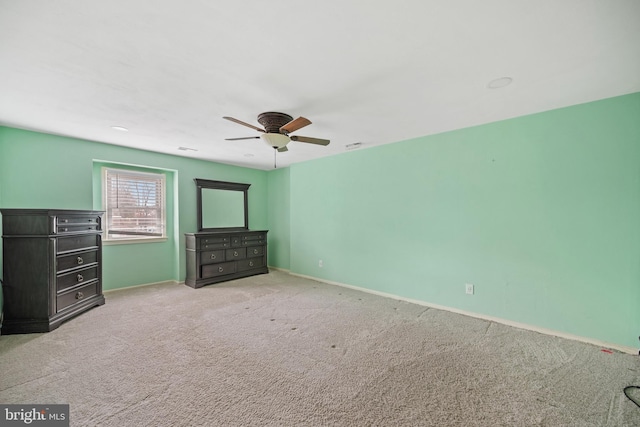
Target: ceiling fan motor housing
x=272 y=122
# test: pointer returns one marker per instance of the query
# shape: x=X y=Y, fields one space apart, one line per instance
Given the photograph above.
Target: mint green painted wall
x=541 y=213
x=46 y=171
x=278 y=214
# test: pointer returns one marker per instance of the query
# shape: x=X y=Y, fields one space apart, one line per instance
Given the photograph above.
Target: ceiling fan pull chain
x=275 y=152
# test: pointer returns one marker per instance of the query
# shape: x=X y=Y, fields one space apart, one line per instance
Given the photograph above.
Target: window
x=134 y=203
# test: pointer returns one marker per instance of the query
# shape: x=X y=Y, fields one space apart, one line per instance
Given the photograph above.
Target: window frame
x=142 y=238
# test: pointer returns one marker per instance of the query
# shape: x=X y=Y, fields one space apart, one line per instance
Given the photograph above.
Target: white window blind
x=134 y=203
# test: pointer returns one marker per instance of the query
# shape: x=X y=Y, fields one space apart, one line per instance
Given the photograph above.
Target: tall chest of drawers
x=214 y=257
x=52 y=267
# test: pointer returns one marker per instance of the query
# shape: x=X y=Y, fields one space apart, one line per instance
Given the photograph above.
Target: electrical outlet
x=468 y=288
x=320 y=263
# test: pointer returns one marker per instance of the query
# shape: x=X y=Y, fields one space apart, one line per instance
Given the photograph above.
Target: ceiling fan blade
x=310 y=140
x=240 y=122
x=238 y=139
x=295 y=124
x=283 y=149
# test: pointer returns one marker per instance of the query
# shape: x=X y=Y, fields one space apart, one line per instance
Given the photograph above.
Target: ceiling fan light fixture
x=275 y=140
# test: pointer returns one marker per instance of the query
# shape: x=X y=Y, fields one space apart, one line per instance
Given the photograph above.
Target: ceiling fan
x=277 y=127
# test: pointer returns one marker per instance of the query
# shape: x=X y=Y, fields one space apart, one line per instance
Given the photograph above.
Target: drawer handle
x=79 y=295
x=220 y=269
x=80 y=278
x=64 y=220
x=235 y=253
x=213 y=256
x=80 y=260
x=64 y=229
x=250 y=263
x=255 y=251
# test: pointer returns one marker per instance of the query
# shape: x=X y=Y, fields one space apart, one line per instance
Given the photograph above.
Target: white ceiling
x=361 y=71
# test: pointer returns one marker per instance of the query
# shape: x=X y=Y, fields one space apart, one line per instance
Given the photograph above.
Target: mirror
x=222 y=205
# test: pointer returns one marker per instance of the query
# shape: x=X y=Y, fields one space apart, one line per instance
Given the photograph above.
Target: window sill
x=133 y=241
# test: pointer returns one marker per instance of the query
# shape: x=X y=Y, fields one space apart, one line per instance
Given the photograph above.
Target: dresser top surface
x=21 y=211
x=220 y=233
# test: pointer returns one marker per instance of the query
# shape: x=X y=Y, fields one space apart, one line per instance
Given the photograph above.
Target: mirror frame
x=222 y=185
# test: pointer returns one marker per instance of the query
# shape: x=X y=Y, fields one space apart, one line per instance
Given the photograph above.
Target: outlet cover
x=468 y=288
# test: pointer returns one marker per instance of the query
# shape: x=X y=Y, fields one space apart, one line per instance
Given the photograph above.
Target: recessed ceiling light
x=353 y=146
x=499 y=83
x=120 y=128
x=186 y=149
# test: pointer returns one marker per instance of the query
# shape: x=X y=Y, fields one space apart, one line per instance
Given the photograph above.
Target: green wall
x=278 y=214
x=541 y=213
x=45 y=171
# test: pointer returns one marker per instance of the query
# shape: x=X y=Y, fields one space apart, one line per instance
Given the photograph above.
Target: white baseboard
x=284 y=270
x=167 y=282
x=518 y=325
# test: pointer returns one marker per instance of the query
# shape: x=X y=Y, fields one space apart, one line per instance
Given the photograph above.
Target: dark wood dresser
x=52 y=264
x=214 y=257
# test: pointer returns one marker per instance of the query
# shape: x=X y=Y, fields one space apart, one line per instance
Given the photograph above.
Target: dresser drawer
x=254 y=236
x=216 y=239
x=255 y=251
x=76 y=277
x=213 y=270
x=238 y=253
x=75 y=228
x=67 y=299
x=74 y=243
x=250 y=263
x=208 y=257
x=208 y=246
x=236 y=241
x=76 y=260
x=77 y=223
x=219 y=242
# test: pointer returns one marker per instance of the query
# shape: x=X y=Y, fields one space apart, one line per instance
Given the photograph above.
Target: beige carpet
x=281 y=350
